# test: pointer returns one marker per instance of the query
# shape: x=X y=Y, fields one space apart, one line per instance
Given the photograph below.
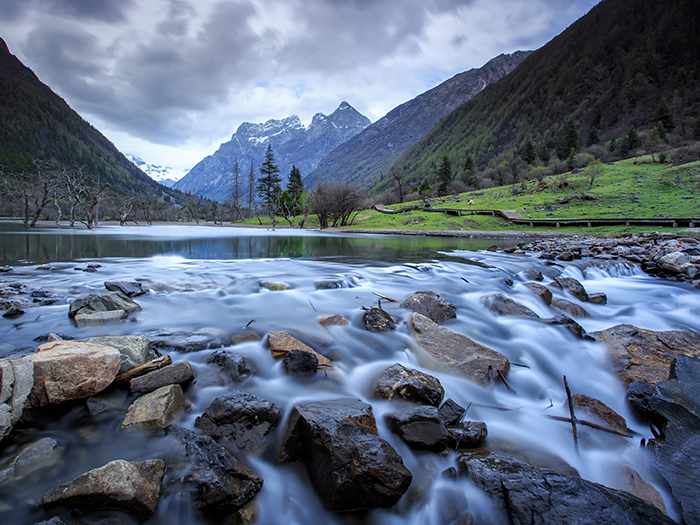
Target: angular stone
x=102 y=302
x=177 y=373
x=639 y=354
x=13 y=312
x=542 y=291
x=598 y=298
x=135 y=350
x=376 y=319
x=130 y=289
x=460 y=354
x=600 y=411
x=299 y=362
x=430 y=305
x=451 y=413
x=119 y=485
x=281 y=343
x=420 y=428
x=502 y=305
x=533 y=275
x=565 y=256
x=214 y=480
x=237 y=368
x=528 y=494
x=156 y=409
x=156 y=364
x=38 y=455
x=573 y=286
x=409 y=384
x=99 y=318
x=348 y=464
x=239 y=421
x=173 y=341
x=571 y=325
x=333 y=320
x=633 y=483
x=570 y=308
x=65 y=370
x=466 y=435
x=674 y=262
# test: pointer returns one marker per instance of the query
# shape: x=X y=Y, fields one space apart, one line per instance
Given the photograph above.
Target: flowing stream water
x=204 y=278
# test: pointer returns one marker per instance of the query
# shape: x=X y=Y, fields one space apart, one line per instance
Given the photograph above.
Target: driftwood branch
x=573 y=414
x=592 y=425
x=503 y=378
x=386 y=298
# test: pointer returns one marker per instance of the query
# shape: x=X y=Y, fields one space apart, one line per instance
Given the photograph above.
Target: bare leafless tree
x=335 y=203
x=399 y=177
x=46 y=182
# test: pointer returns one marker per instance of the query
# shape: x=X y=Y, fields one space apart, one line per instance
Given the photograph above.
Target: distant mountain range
x=364 y=157
x=163 y=174
x=37 y=124
x=292 y=144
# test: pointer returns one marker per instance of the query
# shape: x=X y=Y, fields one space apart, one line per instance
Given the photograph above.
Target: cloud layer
x=185 y=74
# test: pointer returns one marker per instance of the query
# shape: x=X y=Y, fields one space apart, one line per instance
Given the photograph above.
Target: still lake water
x=207 y=279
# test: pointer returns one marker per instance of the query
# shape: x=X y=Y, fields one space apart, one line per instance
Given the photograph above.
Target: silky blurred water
x=208 y=279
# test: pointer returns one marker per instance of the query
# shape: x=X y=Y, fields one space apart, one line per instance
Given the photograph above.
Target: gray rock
x=13 y=312
x=177 y=373
x=213 y=479
x=120 y=485
x=170 y=341
x=430 y=305
x=533 y=275
x=239 y=421
x=571 y=285
x=99 y=318
x=542 y=291
x=237 y=368
x=420 y=428
x=38 y=455
x=410 y=385
x=674 y=262
x=130 y=289
x=571 y=325
x=135 y=351
x=502 y=305
x=529 y=494
x=460 y=354
x=90 y=305
x=570 y=308
x=598 y=298
x=348 y=464
x=156 y=409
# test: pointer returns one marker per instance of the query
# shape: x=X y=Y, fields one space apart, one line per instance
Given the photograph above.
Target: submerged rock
x=235 y=367
x=274 y=287
x=39 y=455
x=214 y=480
x=119 y=485
x=65 y=370
x=333 y=320
x=348 y=464
x=460 y=354
x=571 y=285
x=639 y=354
x=420 y=428
x=600 y=411
x=529 y=494
x=409 y=384
x=571 y=325
x=281 y=343
x=430 y=305
x=376 y=319
x=502 y=305
x=598 y=298
x=174 y=341
x=570 y=308
x=542 y=291
x=239 y=421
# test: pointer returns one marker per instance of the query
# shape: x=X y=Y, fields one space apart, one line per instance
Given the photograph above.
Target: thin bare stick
x=465 y=280
x=503 y=378
x=573 y=414
x=386 y=298
x=312 y=304
x=592 y=425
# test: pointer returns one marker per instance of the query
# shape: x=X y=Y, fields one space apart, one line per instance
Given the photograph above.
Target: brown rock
x=460 y=354
x=65 y=370
x=156 y=409
x=633 y=483
x=156 y=364
x=570 y=308
x=542 y=291
x=639 y=354
x=430 y=305
x=502 y=305
x=599 y=411
x=281 y=343
x=573 y=286
x=333 y=320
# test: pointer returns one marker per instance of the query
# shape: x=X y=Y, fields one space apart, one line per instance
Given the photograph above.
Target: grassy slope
x=625 y=188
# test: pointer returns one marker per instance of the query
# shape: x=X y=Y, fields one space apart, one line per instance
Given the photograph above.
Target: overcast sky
x=169 y=80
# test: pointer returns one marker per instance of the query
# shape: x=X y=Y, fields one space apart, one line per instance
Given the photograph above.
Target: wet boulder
x=570 y=308
x=430 y=305
x=502 y=305
x=130 y=289
x=174 y=341
x=571 y=285
x=100 y=308
x=281 y=343
x=457 y=352
x=156 y=409
x=420 y=428
x=410 y=385
x=213 y=479
x=174 y=374
x=300 y=363
x=348 y=464
x=541 y=291
x=376 y=319
x=135 y=351
x=466 y=435
x=235 y=367
x=673 y=406
x=528 y=494
x=119 y=485
x=239 y=421
x=66 y=370
x=639 y=354
x=533 y=275
x=598 y=298
x=571 y=325
x=451 y=412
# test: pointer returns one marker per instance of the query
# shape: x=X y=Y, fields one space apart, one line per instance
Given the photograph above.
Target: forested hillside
x=609 y=72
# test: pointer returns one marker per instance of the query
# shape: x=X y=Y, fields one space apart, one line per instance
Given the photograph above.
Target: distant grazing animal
x=470 y=202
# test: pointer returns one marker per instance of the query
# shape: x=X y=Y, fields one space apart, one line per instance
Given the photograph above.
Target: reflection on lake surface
x=207 y=280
